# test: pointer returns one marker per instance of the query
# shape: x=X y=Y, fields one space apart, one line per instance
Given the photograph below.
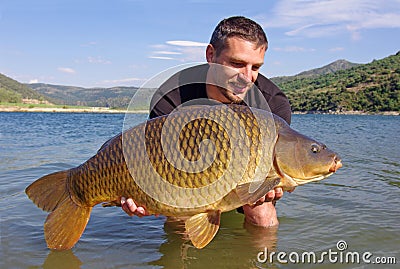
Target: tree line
x=372 y=87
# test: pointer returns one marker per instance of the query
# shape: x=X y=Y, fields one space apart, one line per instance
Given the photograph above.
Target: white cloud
x=33 y=81
x=314 y=18
x=193 y=54
x=66 y=70
x=180 y=50
x=184 y=43
x=167 y=52
x=161 y=57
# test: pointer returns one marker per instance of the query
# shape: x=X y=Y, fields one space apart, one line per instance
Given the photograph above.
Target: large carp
x=194 y=163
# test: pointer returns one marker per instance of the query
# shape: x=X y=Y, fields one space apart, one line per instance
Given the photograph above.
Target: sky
x=104 y=43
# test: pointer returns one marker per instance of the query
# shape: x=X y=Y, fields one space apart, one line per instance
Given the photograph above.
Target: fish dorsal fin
x=248 y=197
x=201 y=228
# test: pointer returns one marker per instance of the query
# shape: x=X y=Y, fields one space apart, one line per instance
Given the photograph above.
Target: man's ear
x=210 y=53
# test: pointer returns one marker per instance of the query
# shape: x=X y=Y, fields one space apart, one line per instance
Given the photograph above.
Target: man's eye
x=236 y=64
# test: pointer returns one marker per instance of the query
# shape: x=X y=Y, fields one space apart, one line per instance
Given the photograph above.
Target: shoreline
x=384 y=113
x=6 y=108
x=67 y=110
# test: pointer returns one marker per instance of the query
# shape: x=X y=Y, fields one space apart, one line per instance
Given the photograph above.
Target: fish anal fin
x=247 y=196
x=201 y=228
x=65 y=225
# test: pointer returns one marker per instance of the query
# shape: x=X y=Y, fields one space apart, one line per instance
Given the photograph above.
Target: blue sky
x=104 y=43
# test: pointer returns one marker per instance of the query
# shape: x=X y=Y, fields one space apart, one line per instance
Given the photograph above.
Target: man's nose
x=246 y=75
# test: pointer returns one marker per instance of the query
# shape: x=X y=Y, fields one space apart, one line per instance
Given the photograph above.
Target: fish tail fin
x=65 y=225
x=49 y=191
x=67 y=220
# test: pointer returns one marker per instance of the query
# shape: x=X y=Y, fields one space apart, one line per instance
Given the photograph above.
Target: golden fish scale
x=105 y=177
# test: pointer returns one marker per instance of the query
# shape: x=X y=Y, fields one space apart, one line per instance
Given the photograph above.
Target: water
x=359 y=204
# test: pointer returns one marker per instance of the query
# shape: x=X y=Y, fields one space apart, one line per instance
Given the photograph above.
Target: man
x=238 y=44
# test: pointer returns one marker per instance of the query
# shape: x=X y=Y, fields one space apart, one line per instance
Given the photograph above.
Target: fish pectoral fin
x=65 y=225
x=287 y=183
x=249 y=193
x=202 y=228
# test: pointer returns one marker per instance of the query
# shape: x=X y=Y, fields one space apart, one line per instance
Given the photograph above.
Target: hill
x=121 y=96
x=372 y=87
x=100 y=97
x=338 y=87
x=313 y=73
x=11 y=91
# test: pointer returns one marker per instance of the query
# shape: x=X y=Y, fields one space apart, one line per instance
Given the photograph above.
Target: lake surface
x=359 y=205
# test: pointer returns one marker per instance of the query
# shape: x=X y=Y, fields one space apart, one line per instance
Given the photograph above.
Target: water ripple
x=359 y=204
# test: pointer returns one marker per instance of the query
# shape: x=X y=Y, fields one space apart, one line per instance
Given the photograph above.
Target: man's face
x=242 y=60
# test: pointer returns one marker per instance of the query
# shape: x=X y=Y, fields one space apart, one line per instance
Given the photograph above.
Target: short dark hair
x=238 y=26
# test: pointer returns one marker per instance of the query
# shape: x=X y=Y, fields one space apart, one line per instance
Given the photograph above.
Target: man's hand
x=272 y=195
x=263 y=213
x=130 y=208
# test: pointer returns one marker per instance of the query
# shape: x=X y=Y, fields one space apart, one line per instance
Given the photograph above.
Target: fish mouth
x=336 y=164
x=289 y=182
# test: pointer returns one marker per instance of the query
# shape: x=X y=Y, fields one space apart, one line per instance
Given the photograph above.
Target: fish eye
x=315 y=148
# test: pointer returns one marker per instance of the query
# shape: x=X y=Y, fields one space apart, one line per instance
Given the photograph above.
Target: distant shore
x=388 y=113
x=16 y=108
x=49 y=109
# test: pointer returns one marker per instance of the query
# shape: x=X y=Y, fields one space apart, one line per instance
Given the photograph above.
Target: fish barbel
x=194 y=163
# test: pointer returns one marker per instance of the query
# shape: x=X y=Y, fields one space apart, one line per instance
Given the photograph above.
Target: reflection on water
x=62 y=260
x=236 y=243
x=359 y=204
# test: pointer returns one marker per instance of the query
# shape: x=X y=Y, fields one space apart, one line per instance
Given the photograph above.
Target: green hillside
x=372 y=87
x=116 y=97
x=121 y=96
x=314 y=73
x=11 y=91
x=338 y=87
